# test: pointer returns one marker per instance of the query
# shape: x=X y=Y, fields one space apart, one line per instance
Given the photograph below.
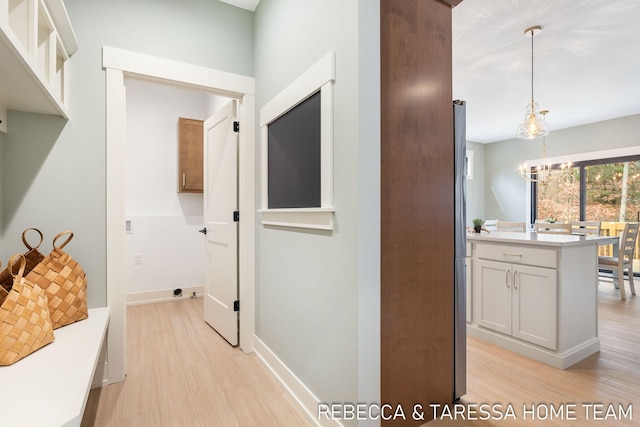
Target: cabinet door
x=492 y=295
x=190 y=137
x=535 y=305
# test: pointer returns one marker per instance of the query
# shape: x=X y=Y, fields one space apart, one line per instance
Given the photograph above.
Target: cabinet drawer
x=518 y=254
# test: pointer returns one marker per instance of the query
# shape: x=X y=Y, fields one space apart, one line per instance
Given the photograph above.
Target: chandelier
x=543 y=172
x=533 y=125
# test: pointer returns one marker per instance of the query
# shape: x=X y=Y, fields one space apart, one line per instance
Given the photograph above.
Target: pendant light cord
x=532 y=69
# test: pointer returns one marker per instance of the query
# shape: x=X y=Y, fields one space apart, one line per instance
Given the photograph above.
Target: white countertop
x=540 y=239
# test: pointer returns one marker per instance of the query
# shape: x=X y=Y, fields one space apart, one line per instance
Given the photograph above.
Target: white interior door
x=220 y=207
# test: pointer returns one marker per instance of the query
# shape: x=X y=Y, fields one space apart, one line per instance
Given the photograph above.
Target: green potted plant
x=477 y=224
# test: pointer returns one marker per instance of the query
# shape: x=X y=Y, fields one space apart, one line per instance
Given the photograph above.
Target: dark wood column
x=417 y=205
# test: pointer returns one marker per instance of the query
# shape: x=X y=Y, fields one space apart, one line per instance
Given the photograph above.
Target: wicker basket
x=65 y=283
x=33 y=257
x=25 y=325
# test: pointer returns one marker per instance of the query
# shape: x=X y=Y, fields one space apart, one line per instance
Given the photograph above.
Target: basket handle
x=24 y=238
x=23 y=264
x=62 y=233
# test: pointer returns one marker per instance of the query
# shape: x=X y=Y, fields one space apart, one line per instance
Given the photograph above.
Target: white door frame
x=118 y=63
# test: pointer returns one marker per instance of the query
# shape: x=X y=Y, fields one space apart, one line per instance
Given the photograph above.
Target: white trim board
x=296 y=388
x=162 y=295
x=592 y=155
x=119 y=63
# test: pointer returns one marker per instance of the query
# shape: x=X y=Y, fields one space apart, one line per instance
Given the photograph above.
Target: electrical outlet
x=138 y=259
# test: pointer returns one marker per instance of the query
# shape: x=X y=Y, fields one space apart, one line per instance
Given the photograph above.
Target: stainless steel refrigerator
x=460 y=279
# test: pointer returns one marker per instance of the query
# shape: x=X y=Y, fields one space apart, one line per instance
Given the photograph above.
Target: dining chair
x=552 y=227
x=511 y=226
x=491 y=224
x=624 y=260
x=585 y=228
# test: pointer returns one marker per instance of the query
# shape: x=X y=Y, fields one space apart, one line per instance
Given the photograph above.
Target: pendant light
x=544 y=171
x=534 y=125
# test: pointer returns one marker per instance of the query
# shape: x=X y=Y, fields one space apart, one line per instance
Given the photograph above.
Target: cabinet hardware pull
x=511 y=254
x=184 y=180
x=506 y=278
x=515 y=282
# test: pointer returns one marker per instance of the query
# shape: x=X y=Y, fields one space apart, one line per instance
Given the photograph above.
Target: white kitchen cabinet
x=36 y=42
x=536 y=294
x=469 y=283
x=518 y=300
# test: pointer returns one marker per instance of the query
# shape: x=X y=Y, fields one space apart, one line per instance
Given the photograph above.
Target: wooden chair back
x=624 y=260
x=628 y=242
x=585 y=228
x=552 y=228
x=491 y=224
x=511 y=226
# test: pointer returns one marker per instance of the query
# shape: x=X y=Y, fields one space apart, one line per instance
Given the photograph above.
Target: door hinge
x=236 y=127
x=236 y=216
x=236 y=305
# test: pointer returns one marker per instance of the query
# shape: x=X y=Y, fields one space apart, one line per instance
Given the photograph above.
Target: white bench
x=50 y=387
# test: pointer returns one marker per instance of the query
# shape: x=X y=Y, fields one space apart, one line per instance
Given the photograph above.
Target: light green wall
x=505 y=191
x=54 y=172
x=476 y=186
x=2 y=251
x=309 y=283
x=369 y=204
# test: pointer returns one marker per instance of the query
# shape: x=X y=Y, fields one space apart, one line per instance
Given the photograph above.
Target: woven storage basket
x=25 y=325
x=65 y=282
x=33 y=257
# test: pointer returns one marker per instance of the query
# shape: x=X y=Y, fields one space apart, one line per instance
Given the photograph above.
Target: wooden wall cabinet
x=190 y=155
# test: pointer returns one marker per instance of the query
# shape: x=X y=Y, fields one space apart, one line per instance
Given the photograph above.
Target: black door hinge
x=236 y=305
x=236 y=216
x=236 y=127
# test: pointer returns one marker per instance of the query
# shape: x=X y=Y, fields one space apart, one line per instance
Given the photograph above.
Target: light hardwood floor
x=181 y=373
x=611 y=376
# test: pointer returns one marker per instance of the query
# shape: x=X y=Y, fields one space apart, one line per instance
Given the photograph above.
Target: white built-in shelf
x=36 y=42
x=49 y=388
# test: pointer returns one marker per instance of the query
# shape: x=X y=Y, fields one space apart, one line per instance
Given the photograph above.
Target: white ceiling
x=586 y=62
x=243 y=4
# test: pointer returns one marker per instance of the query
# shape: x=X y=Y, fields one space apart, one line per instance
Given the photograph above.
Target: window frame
x=533 y=198
x=319 y=77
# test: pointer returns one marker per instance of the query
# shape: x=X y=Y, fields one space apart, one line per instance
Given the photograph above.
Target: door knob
x=203 y=231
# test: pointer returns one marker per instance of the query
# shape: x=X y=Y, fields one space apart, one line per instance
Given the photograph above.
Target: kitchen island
x=535 y=294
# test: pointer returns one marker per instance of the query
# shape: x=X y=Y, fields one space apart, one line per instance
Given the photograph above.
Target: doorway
x=164 y=248
x=119 y=63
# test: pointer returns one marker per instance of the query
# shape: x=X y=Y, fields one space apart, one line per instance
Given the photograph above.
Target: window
x=605 y=190
x=594 y=190
x=293 y=142
x=297 y=145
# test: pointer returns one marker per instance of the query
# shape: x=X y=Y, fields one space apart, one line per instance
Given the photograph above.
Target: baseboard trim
x=100 y=378
x=552 y=358
x=296 y=388
x=163 y=295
